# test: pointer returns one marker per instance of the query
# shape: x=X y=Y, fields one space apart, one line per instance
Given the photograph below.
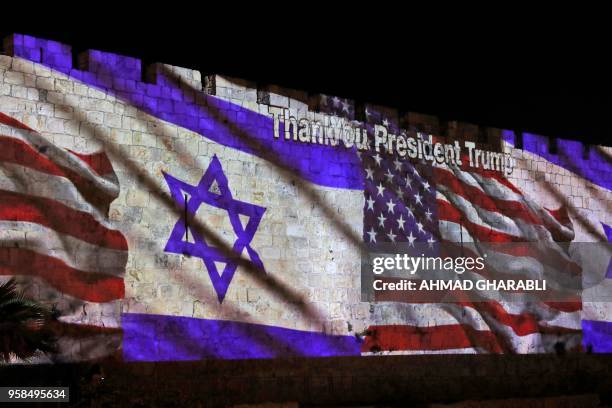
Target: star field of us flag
x=56 y=239
x=408 y=203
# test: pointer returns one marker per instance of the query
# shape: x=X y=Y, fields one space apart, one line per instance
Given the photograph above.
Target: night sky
x=551 y=85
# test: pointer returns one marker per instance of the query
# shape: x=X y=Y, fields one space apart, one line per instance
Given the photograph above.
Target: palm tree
x=24 y=332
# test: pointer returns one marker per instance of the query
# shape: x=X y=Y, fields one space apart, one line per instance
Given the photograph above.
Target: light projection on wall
x=161 y=222
x=222 y=198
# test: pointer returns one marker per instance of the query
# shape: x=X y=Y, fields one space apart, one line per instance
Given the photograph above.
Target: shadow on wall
x=210 y=107
x=275 y=287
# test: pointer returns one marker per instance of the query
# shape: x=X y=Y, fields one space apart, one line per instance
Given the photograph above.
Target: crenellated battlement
x=111 y=65
x=51 y=53
x=158 y=84
x=292 y=181
x=125 y=75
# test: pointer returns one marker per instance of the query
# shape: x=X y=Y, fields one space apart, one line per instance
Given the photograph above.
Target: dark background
x=501 y=74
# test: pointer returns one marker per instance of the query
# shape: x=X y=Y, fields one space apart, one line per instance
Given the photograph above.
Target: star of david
x=190 y=198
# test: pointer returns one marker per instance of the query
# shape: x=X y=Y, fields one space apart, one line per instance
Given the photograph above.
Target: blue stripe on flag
x=598 y=335
x=595 y=168
x=226 y=123
x=169 y=338
x=608 y=232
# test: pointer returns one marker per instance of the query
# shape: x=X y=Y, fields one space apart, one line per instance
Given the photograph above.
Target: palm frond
x=24 y=330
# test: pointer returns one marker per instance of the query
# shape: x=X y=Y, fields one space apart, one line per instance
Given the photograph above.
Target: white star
x=426 y=185
x=391 y=235
x=414 y=170
x=428 y=214
x=411 y=239
x=345 y=106
x=417 y=199
x=401 y=222
x=390 y=207
x=336 y=100
x=389 y=176
x=420 y=227
x=381 y=189
x=431 y=241
x=370 y=173
x=385 y=122
x=381 y=220
x=410 y=210
x=397 y=164
x=400 y=193
x=370 y=204
x=377 y=158
x=408 y=182
x=372 y=235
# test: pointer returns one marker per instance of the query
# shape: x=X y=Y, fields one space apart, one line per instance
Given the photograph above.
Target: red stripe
x=459 y=335
x=57 y=216
x=569 y=304
x=447 y=212
x=522 y=324
x=75 y=330
x=88 y=286
x=566 y=301
x=546 y=256
x=520 y=246
x=98 y=162
x=19 y=152
x=561 y=215
x=443 y=337
x=568 y=307
x=16 y=151
x=492 y=174
x=509 y=208
x=7 y=120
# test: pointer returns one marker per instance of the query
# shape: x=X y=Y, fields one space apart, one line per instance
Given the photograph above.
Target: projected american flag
x=414 y=203
x=55 y=228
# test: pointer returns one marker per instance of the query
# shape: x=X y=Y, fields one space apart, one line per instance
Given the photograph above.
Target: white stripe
x=24 y=180
x=74 y=252
x=528 y=267
x=439 y=314
x=453 y=232
x=63 y=158
x=496 y=221
x=468 y=350
x=494 y=188
x=545 y=314
x=529 y=343
x=542 y=313
x=536 y=342
x=487 y=185
x=72 y=310
x=440 y=196
x=476 y=215
x=426 y=315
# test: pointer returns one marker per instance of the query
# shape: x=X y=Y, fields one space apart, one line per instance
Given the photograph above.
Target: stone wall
x=164 y=120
